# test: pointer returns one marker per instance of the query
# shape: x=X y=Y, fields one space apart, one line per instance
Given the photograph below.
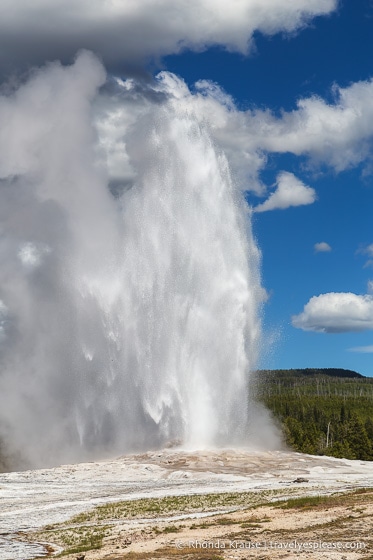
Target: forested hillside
x=322 y=411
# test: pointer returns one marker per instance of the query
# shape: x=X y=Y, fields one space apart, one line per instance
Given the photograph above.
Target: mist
x=130 y=279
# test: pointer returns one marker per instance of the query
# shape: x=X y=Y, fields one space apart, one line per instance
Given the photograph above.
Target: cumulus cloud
x=362 y=349
x=290 y=192
x=130 y=31
x=337 y=134
x=336 y=313
x=322 y=247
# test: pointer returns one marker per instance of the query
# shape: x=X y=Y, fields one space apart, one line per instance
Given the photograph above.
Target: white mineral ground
x=32 y=499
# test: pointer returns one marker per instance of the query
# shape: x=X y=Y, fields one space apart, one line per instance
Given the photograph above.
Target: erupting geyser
x=129 y=319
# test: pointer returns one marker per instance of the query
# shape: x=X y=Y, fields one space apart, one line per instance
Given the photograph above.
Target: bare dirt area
x=186 y=505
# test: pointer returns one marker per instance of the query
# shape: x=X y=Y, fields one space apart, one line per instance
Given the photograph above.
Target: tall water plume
x=127 y=320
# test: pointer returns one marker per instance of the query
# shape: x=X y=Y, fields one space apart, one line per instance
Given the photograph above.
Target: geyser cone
x=138 y=322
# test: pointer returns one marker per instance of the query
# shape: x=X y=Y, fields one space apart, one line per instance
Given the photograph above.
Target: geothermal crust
x=32 y=499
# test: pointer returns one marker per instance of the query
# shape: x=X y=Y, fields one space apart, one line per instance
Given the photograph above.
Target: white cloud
x=368 y=250
x=290 y=192
x=131 y=30
x=337 y=134
x=336 y=313
x=370 y=286
x=362 y=349
x=322 y=247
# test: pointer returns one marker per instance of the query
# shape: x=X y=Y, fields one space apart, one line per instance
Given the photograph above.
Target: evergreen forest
x=321 y=411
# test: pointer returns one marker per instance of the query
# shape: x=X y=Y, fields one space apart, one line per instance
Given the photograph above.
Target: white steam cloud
x=125 y=298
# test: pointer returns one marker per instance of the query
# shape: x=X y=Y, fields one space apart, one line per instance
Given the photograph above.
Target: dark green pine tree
x=369 y=428
x=358 y=439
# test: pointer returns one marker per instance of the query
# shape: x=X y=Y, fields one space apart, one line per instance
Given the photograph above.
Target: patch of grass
x=168 y=553
x=157 y=507
x=226 y=521
x=77 y=539
x=204 y=525
x=308 y=502
x=304 y=502
x=362 y=491
x=255 y=521
x=171 y=529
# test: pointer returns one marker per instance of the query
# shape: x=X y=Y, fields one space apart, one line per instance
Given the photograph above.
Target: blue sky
x=286 y=91
x=333 y=50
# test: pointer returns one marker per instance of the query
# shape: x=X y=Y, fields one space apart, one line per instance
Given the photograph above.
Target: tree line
x=321 y=411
